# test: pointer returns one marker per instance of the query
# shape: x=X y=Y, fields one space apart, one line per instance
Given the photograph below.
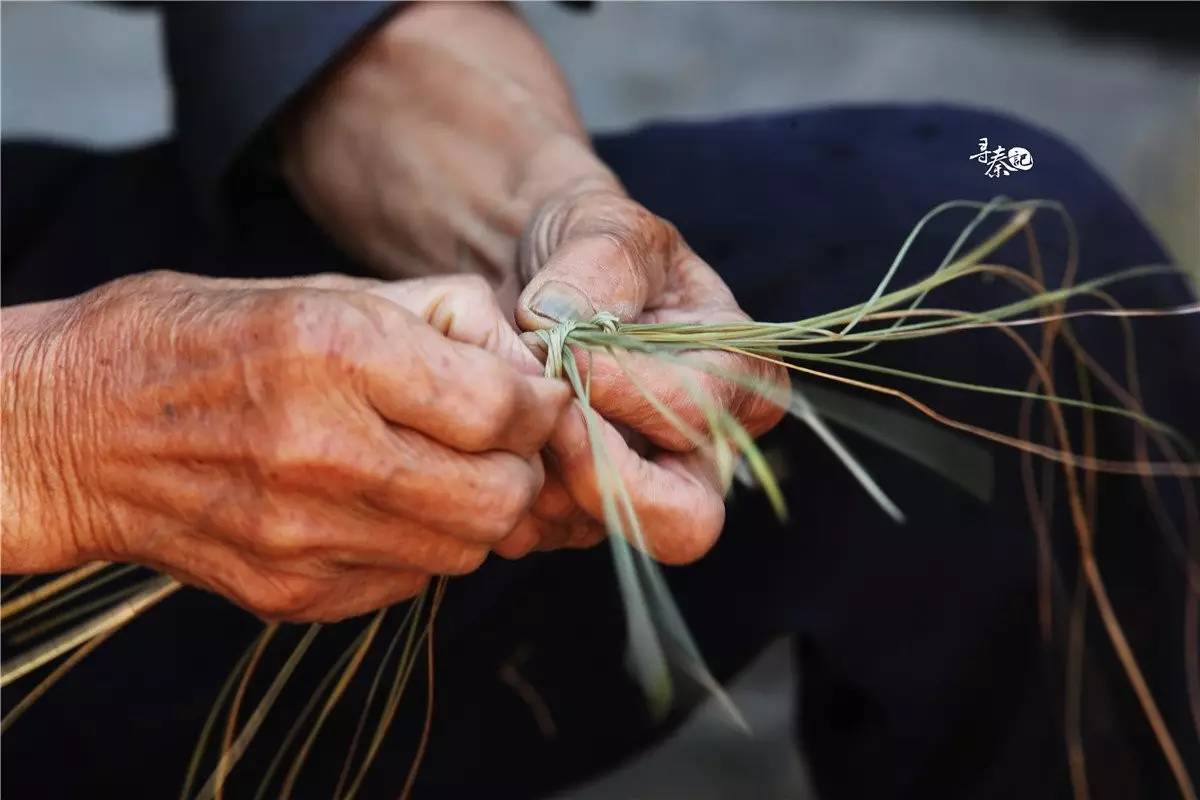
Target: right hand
x=311 y=448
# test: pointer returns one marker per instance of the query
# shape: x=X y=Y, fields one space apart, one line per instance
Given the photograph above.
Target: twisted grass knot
x=556 y=338
x=606 y=322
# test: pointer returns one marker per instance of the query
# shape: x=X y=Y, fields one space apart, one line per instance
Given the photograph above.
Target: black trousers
x=923 y=671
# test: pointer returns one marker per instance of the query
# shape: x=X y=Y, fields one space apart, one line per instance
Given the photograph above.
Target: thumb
x=611 y=255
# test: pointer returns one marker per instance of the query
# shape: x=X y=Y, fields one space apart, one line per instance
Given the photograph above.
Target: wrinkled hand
x=448 y=142
x=594 y=249
x=311 y=448
x=428 y=149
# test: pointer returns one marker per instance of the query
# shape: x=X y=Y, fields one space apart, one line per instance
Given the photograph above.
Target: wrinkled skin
x=449 y=143
x=285 y=442
x=311 y=448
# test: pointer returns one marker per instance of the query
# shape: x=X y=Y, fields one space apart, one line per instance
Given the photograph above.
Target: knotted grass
x=828 y=354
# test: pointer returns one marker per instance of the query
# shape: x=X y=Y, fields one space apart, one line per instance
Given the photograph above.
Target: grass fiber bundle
x=832 y=350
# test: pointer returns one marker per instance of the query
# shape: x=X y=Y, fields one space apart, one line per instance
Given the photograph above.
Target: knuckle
x=637 y=231
x=474 y=287
x=498 y=517
x=494 y=410
x=502 y=508
x=300 y=453
x=279 y=537
x=317 y=325
x=502 y=393
x=479 y=432
x=514 y=505
x=297 y=319
x=281 y=598
x=605 y=212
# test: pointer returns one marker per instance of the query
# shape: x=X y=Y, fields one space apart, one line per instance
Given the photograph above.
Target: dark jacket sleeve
x=234 y=66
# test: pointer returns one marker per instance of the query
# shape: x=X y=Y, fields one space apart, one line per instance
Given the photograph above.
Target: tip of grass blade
x=803 y=410
x=758 y=465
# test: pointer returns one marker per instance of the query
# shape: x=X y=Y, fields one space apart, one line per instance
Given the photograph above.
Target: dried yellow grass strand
x=51 y=588
x=158 y=589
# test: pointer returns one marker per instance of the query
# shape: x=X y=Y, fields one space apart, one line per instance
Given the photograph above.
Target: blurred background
x=1119 y=81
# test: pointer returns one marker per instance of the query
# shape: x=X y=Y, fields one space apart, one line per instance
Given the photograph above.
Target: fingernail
x=559 y=302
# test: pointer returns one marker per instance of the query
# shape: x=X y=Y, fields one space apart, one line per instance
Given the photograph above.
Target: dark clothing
x=235 y=66
x=924 y=675
x=923 y=671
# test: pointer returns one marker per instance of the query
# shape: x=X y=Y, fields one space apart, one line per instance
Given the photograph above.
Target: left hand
x=595 y=249
x=448 y=142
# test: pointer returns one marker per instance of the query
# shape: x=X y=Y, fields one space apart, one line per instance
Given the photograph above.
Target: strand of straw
x=339 y=689
x=376 y=680
x=47 y=589
x=55 y=675
x=309 y=706
x=157 y=589
x=234 y=753
x=35 y=611
x=34 y=631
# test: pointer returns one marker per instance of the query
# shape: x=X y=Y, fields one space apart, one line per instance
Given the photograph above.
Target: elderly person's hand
x=448 y=143
x=596 y=250
x=311 y=448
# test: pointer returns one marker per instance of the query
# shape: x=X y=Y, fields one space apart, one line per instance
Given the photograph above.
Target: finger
x=463 y=308
x=298 y=589
x=555 y=520
x=601 y=252
x=525 y=537
x=459 y=394
x=413 y=375
x=586 y=534
x=578 y=533
x=678 y=497
x=306 y=527
x=554 y=503
x=477 y=497
x=634 y=388
x=312 y=532
x=619 y=270
x=570 y=525
x=535 y=533
x=395 y=476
